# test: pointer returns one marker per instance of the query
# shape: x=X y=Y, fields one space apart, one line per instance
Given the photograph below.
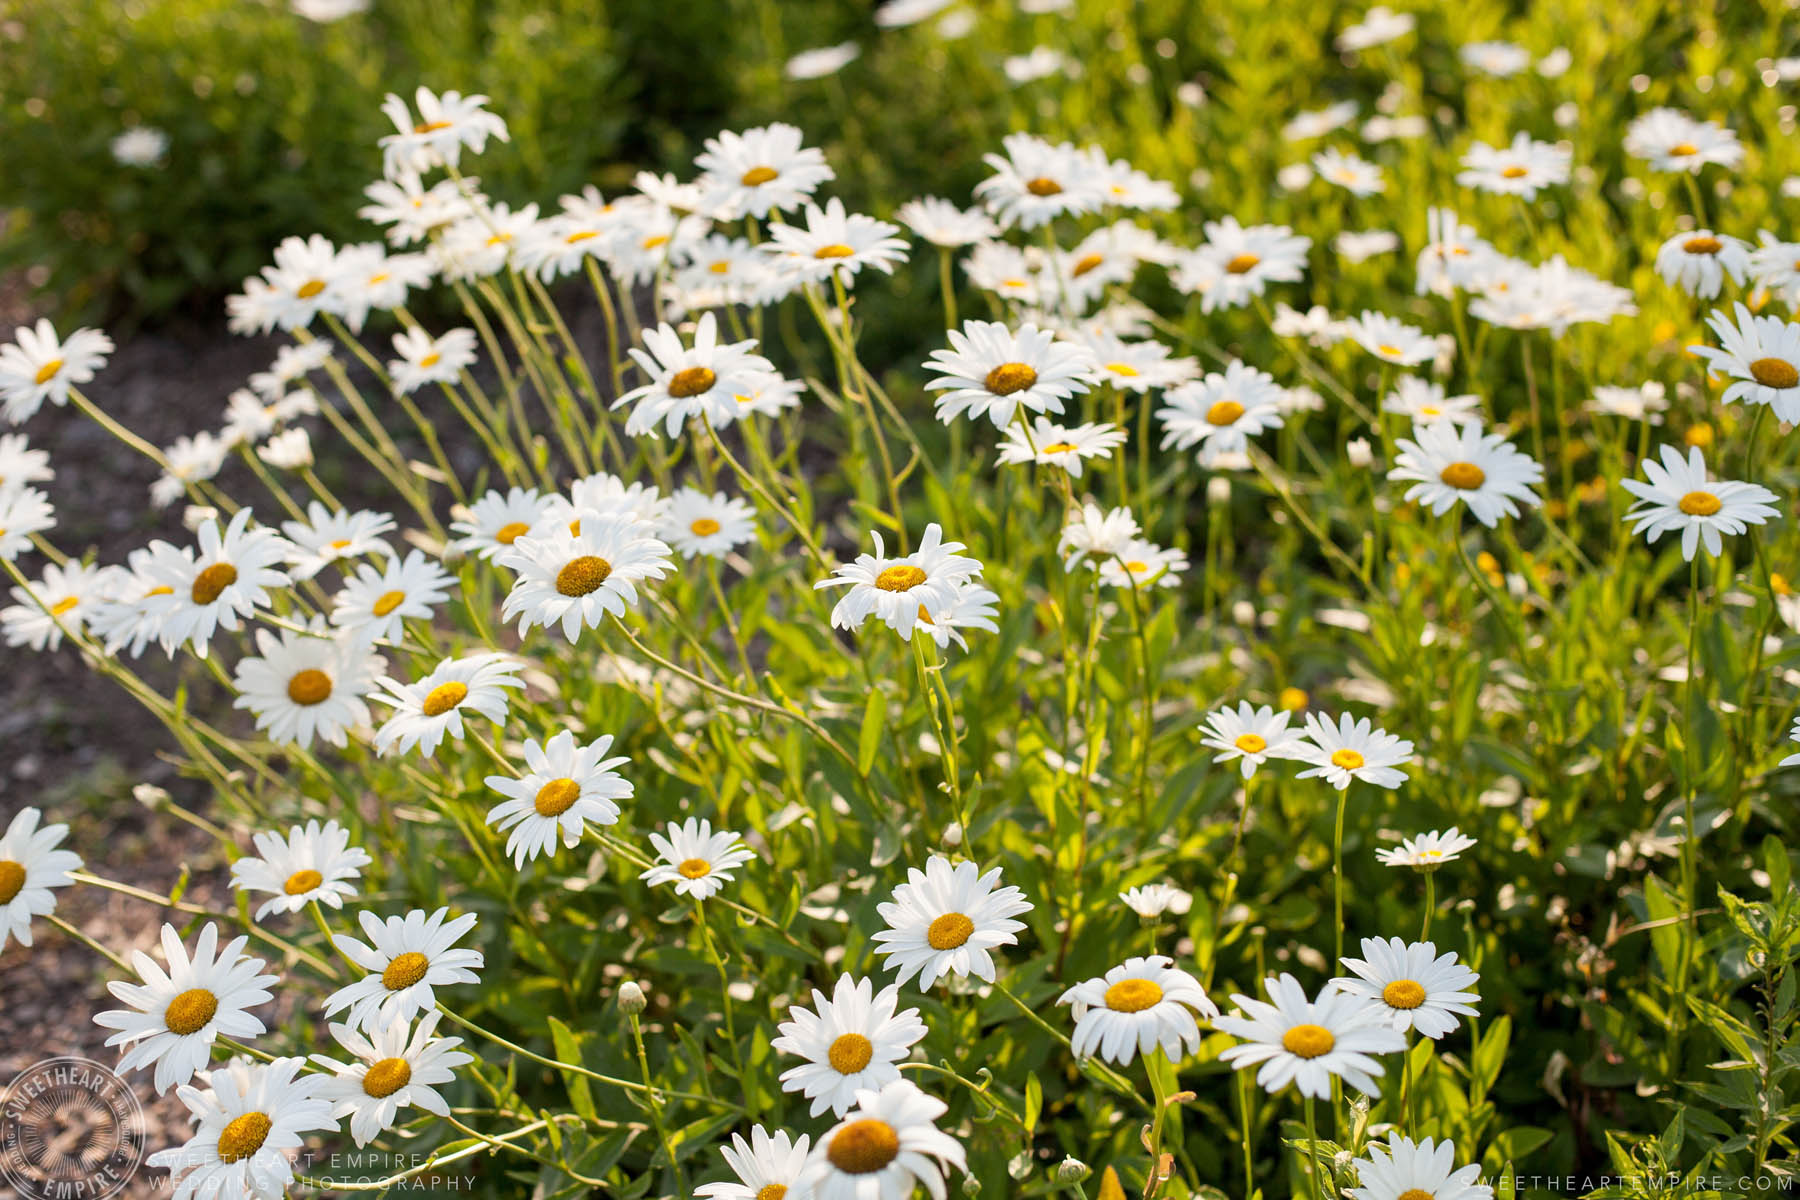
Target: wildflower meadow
x=1229 y=636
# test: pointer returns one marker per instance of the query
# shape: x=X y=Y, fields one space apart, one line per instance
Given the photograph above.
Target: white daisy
x=1416 y=1170
x=834 y=242
x=1360 y=245
x=406 y=957
x=1423 y=401
x=1140 y=1005
x=896 y=590
x=1670 y=140
x=396 y=1066
x=62 y=597
x=821 y=61
x=758 y=171
x=37 y=366
x=425 y=711
x=314 y=862
x=1317 y=122
x=1762 y=354
x=1378 y=26
x=1035 y=182
x=1646 y=402
x=1680 y=496
x=1237 y=263
x=1096 y=533
x=1154 y=899
x=944 y=224
x=565 y=786
x=1415 y=986
x=883 y=1149
x=191 y=459
x=1519 y=169
x=1136 y=366
x=445 y=125
x=974 y=608
x=496 y=520
x=1355 y=175
x=1454 y=463
x=702 y=381
x=1699 y=261
x=1220 y=413
x=1053 y=445
x=301 y=686
x=225 y=577
x=247 y=1122
x=375 y=602
x=991 y=371
x=945 y=919
x=1250 y=735
x=289 y=450
x=1352 y=749
x=1308 y=1042
x=607 y=494
x=712 y=526
x=23 y=512
x=1499 y=59
x=576 y=579
x=425 y=359
x=1774 y=265
x=767 y=1167
x=30 y=865
x=1428 y=851
x=1390 y=340
x=851 y=1043
x=326 y=537
x=1454 y=254
x=175 y=1016
x=20 y=464
x=695 y=859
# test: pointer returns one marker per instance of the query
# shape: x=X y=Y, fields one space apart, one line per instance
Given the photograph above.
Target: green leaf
x=1034 y=1101
x=868 y=740
x=568 y=1050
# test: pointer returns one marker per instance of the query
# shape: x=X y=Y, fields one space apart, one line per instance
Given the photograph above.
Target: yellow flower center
x=1415 y=1194
x=430 y=126
x=339 y=545
x=1010 y=377
x=387 y=602
x=190 y=1011
x=1292 y=699
x=302 y=882
x=499 y=239
x=1058 y=448
x=155 y=591
x=1124 y=369
x=404 y=970
x=1137 y=566
x=65 y=604
x=757 y=176
x=387 y=1077
x=444 y=697
x=1086 y=264
x=1464 y=476
x=1774 y=372
x=1224 y=412
x=949 y=931
x=1514 y=173
x=1683 y=150
x=1251 y=743
x=704 y=527
x=1403 y=993
x=510 y=532
x=695 y=868
x=901 y=577
x=431 y=360
x=1389 y=351
x=556 y=797
x=850 y=1053
x=863 y=1147
x=1014 y=283
x=580 y=235
x=244 y=1136
x=310 y=288
x=582 y=575
x=48 y=371
x=1703 y=245
x=1133 y=995
x=1699 y=504
x=12 y=879
x=309 y=687
x=1308 y=1041
x=834 y=250
x=772 y=1191
x=722 y=267
x=1347 y=758
x=691 y=381
x=1241 y=264
x=212 y=582
x=1042 y=186
x=653 y=242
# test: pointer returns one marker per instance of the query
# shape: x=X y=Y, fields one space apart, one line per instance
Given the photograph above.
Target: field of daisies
x=1104 y=682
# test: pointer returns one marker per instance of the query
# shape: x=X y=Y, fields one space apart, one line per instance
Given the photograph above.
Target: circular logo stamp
x=69 y=1127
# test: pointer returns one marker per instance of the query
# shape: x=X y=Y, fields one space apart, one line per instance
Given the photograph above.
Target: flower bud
x=1071 y=1170
x=631 y=999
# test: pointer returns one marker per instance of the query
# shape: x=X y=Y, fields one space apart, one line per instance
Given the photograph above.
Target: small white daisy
x=1428 y=851
x=1670 y=140
x=1355 y=175
x=1762 y=355
x=1699 y=261
x=1416 y=1170
x=701 y=381
x=850 y=1043
x=301 y=686
x=1237 y=263
x=314 y=862
x=767 y=1167
x=1154 y=899
x=225 y=577
x=991 y=371
x=1250 y=735
x=945 y=919
x=1305 y=1042
x=247 y=1124
x=1141 y=1005
x=1520 y=169
x=37 y=366
x=1036 y=181
x=712 y=526
x=1053 y=445
x=1499 y=59
x=375 y=602
x=62 y=597
x=695 y=859
x=406 y=957
x=1096 y=533
x=1450 y=463
x=565 y=786
x=1418 y=988
x=23 y=512
x=758 y=171
x=425 y=359
x=896 y=590
x=1423 y=401
x=1141 y=366
x=433 y=707
x=1352 y=749
x=943 y=224
x=326 y=537
x=974 y=608
x=446 y=124
x=396 y=1066
x=20 y=464
x=1390 y=340
x=496 y=520
x=1221 y=412
x=883 y=1149
x=1680 y=496
x=30 y=865
x=576 y=579
x=1140 y=564
x=833 y=242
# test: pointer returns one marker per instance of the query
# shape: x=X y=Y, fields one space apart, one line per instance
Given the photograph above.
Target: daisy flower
x=175 y=1016
x=1762 y=354
x=1035 y=182
x=1424 y=401
x=1350 y=750
x=1419 y=1170
x=191 y=459
x=1360 y=245
x=702 y=381
x=300 y=686
x=1154 y=899
x=446 y=124
x=834 y=242
x=1378 y=26
x=1007 y=271
x=406 y=957
x=289 y=450
x=565 y=786
x=314 y=862
x=1305 y=1042
x=884 y=1149
x=20 y=464
x=758 y=171
x=896 y=590
x=850 y=1043
x=1136 y=366
x=370 y=278
x=1670 y=140
x=1519 y=169
x=1140 y=1005
x=425 y=711
x=1096 y=533
x=720 y=270
x=375 y=602
x=767 y=1167
x=247 y=1124
x=944 y=224
x=1428 y=851
x=577 y=578
x=395 y=1066
x=425 y=359
x=496 y=520
x=1679 y=496
x=1237 y=263
x=326 y=537
x=608 y=495
x=37 y=366
x=1647 y=402
x=974 y=608
x=1699 y=261
x=945 y=919
x=713 y=526
x=1455 y=255
x=225 y=577
x=1774 y=265
x=821 y=61
x=991 y=371
x=1316 y=123
x=695 y=859
x=140 y=146
x=1220 y=413
x=1414 y=986
x=1250 y=735
x=30 y=865
x=1053 y=445
x=62 y=597
x=302 y=282
x=1353 y=174
x=23 y=512
x=1499 y=59
x=1454 y=463
x=1390 y=340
